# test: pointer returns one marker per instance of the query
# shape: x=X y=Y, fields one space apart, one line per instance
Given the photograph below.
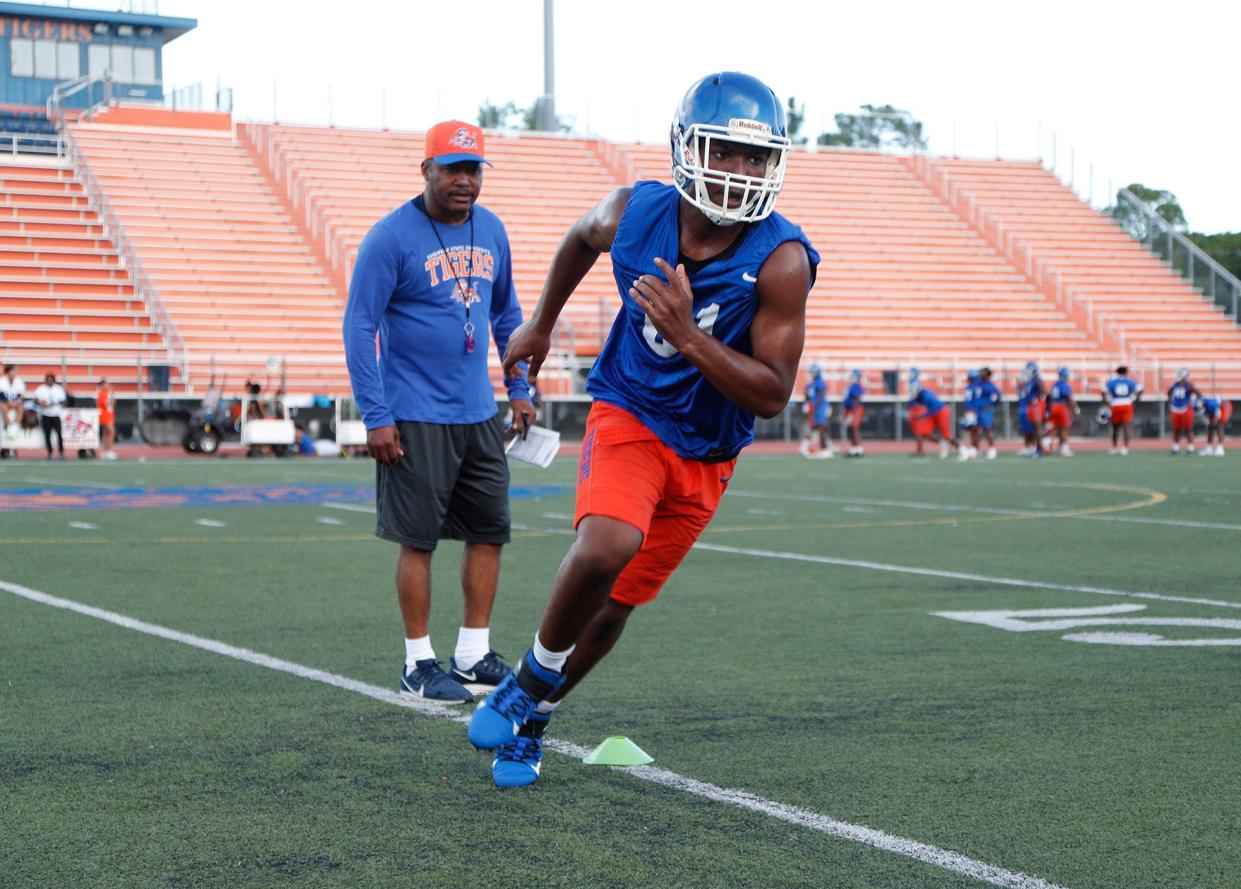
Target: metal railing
x=1196 y=266
x=113 y=228
x=1041 y=272
x=70 y=88
x=47 y=144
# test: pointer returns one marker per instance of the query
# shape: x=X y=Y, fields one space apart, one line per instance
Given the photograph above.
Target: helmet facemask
x=691 y=151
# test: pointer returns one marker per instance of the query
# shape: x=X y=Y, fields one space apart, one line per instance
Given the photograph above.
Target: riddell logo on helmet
x=741 y=123
x=463 y=138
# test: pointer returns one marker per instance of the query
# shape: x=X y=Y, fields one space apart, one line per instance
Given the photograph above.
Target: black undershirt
x=693 y=266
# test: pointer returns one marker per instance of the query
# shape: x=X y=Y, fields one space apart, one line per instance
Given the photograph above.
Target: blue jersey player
x=1182 y=396
x=852 y=408
x=1217 y=412
x=816 y=441
x=989 y=396
x=713 y=286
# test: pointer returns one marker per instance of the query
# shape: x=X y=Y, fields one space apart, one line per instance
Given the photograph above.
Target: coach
x=431 y=278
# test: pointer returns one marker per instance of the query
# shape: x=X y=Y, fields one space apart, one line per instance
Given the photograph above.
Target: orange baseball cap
x=455 y=142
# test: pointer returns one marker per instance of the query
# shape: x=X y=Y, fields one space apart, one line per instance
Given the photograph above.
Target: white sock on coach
x=418 y=650
x=552 y=660
x=472 y=644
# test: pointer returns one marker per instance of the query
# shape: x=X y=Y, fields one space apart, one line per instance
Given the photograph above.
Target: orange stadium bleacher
x=234 y=273
x=69 y=307
x=248 y=234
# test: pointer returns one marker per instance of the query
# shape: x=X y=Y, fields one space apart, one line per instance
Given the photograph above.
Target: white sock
x=547 y=706
x=472 y=644
x=552 y=660
x=418 y=650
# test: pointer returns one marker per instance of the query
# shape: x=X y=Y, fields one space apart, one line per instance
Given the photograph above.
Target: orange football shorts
x=626 y=473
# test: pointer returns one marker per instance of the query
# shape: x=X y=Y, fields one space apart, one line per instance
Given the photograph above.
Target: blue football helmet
x=1066 y=373
x=732 y=107
x=971 y=374
x=814 y=370
x=855 y=375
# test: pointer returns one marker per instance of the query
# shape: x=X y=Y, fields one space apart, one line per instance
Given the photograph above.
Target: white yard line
x=923 y=852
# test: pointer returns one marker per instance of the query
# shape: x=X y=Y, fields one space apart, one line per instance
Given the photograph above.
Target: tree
x=877 y=126
x=510 y=117
x=1224 y=248
x=795 y=116
x=1137 y=223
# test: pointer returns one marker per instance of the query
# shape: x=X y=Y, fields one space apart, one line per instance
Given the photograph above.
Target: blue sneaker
x=519 y=761
x=497 y=719
x=428 y=681
x=485 y=675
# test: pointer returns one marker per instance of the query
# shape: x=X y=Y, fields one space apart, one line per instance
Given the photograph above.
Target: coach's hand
x=669 y=304
x=384 y=444
x=524 y=416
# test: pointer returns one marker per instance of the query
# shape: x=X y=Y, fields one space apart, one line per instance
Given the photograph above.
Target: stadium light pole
x=547 y=107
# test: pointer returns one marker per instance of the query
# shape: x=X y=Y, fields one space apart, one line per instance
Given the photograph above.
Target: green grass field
x=798 y=657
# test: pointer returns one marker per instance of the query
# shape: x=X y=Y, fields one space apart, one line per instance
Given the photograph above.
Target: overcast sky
x=1145 y=92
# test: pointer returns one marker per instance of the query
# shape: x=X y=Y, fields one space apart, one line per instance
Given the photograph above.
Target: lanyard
x=461 y=288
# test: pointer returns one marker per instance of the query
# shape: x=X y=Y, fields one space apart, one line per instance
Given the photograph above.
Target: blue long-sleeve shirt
x=412 y=284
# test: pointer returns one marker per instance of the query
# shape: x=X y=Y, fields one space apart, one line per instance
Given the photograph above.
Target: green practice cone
x=617 y=751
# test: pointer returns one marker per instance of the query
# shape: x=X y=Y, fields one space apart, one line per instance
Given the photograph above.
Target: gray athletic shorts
x=452 y=483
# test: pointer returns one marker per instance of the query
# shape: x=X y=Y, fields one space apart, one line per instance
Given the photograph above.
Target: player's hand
x=523 y=417
x=384 y=444
x=527 y=344
x=668 y=303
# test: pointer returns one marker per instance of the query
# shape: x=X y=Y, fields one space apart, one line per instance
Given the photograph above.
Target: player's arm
x=586 y=239
x=762 y=382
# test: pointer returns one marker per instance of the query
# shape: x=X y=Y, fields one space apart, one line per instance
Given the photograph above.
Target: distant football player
x=970 y=399
x=852 y=408
x=989 y=397
x=1182 y=395
x=1030 y=410
x=1217 y=413
x=929 y=417
x=1062 y=408
x=816 y=440
x=1119 y=395
x=713 y=286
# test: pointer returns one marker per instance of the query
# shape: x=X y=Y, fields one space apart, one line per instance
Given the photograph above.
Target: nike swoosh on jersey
x=748 y=278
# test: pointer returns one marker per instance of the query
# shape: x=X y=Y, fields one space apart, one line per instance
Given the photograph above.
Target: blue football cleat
x=519 y=761
x=503 y=712
x=485 y=675
x=427 y=680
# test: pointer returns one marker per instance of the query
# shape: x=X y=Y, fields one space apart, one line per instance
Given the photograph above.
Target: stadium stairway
x=237 y=277
x=67 y=306
x=1027 y=213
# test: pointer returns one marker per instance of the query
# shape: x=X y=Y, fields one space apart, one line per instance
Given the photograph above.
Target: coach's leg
x=413 y=589
x=480 y=577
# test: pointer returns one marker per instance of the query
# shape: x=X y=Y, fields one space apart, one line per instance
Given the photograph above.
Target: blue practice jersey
x=853 y=396
x=638 y=371
x=816 y=399
x=1180 y=397
x=928 y=400
x=971 y=399
x=407 y=286
x=1122 y=390
x=1210 y=407
x=1032 y=390
x=1061 y=392
x=988 y=396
